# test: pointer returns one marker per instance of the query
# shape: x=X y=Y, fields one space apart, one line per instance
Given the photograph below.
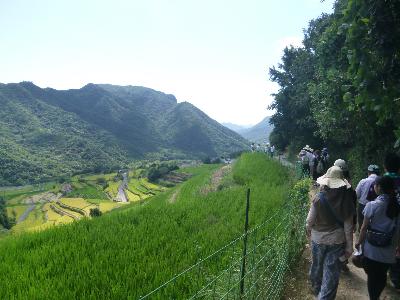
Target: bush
x=95 y=212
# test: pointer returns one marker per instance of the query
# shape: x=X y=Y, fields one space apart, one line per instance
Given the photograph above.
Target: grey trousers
x=325 y=269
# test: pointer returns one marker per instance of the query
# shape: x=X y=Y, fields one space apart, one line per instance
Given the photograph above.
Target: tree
x=95 y=212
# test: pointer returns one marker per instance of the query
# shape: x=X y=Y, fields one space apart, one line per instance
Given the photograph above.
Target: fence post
x=246 y=226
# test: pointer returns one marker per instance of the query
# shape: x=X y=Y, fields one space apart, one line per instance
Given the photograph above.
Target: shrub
x=95 y=212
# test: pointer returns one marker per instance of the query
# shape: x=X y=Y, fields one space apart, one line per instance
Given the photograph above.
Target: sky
x=214 y=54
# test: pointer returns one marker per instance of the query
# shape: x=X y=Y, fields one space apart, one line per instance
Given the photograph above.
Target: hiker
x=391 y=165
x=309 y=152
x=379 y=235
x=252 y=147
x=272 y=150
x=330 y=226
x=305 y=163
x=341 y=163
x=325 y=156
x=318 y=165
x=362 y=190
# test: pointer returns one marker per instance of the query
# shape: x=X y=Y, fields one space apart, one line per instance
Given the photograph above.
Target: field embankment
x=128 y=253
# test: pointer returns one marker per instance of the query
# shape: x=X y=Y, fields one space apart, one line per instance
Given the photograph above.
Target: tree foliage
x=5 y=221
x=342 y=87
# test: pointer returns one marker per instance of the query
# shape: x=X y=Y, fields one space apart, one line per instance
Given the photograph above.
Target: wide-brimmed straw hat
x=333 y=178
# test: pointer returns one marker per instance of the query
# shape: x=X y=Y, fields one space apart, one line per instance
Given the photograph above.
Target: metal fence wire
x=271 y=248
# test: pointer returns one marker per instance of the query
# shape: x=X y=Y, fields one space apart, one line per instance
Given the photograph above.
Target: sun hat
x=308 y=148
x=333 y=178
x=341 y=164
x=373 y=168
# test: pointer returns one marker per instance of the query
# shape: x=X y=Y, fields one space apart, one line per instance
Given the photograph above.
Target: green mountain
x=258 y=133
x=47 y=133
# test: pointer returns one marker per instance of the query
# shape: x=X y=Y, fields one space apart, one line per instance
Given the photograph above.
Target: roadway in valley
x=121 y=196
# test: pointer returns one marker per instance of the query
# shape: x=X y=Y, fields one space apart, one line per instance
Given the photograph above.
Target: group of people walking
x=313 y=162
x=371 y=210
x=267 y=148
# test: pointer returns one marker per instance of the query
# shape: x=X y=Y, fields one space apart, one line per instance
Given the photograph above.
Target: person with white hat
x=330 y=227
x=310 y=157
x=341 y=163
x=362 y=190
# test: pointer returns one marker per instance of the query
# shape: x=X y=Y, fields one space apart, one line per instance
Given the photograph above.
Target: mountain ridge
x=258 y=133
x=47 y=133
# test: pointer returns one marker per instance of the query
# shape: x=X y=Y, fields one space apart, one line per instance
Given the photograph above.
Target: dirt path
x=352 y=286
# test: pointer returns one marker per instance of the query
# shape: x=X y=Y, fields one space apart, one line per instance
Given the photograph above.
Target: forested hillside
x=47 y=133
x=341 y=89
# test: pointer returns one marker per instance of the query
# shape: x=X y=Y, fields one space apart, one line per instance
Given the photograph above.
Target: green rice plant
x=129 y=252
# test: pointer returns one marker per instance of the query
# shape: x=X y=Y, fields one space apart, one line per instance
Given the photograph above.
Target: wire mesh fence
x=257 y=273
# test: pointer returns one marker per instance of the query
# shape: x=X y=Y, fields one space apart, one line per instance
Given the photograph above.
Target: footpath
x=352 y=285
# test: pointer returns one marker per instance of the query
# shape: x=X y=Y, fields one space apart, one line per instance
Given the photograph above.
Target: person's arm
x=358 y=189
x=312 y=215
x=348 y=233
x=363 y=232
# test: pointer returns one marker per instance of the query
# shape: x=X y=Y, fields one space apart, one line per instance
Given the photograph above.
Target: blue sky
x=212 y=53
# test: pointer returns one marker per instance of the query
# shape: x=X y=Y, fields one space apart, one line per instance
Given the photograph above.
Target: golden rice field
x=149 y=185
x=54 y=218
x=132 y=197
x=108 y=206
x=112 y=188
x=35 y=218
x=78 y=203
x=17 y=210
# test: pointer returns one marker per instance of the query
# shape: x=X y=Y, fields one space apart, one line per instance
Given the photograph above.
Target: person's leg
x=317 y=264
x=394 y=273
x=376 y=277
x=332 y=266
x=360 y=216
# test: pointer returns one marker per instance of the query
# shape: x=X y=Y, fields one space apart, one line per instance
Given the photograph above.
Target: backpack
x=320 y=167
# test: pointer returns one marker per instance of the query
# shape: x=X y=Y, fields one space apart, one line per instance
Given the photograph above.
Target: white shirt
x=363 y=188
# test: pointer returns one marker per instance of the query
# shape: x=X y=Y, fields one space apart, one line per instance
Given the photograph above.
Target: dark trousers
x=394 y=273
x=377 y=275
x=360 y=216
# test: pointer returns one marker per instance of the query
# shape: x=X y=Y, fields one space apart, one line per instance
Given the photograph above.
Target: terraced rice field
x=132 y=197
x=54 y=218
x=127 y=253
x=108 y=206
x=112 y=189
x=150 y=186
x=79 y=203
x=16 y=210
x=34 y=219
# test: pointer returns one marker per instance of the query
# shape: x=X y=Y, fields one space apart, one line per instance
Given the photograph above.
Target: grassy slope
x=129 y=252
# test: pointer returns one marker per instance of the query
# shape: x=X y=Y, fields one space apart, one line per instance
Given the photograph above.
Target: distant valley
x=258 y=133
x=48 y=133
